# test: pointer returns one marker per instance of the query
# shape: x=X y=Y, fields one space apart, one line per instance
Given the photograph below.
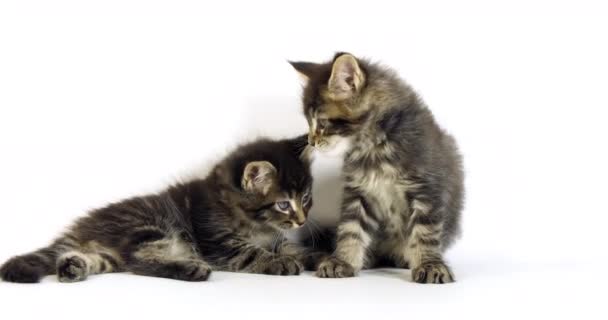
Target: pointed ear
x=305 y=69
x=346 y=79
x=258 y=176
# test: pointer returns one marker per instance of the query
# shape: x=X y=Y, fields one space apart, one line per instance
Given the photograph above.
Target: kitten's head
x=275 y=178
x=333 y=99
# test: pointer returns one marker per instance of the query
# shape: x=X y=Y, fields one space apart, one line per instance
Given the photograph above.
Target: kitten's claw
x=436 y=272
x=335 y=268
x=282 y=266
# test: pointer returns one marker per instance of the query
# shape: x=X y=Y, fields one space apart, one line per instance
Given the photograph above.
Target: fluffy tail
x=29 y=268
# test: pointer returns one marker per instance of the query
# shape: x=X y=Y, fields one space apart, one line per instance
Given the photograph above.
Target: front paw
x=333 y=267
x=189 y=270
x=282 y=266
x=434 y=272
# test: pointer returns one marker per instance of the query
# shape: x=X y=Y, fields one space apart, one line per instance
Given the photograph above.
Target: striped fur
x=403 y=175
x=227 y=221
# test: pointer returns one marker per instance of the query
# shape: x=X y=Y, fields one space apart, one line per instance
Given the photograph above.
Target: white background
x=107 y=99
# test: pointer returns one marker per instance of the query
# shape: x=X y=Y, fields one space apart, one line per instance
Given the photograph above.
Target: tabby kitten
x=232 y=220
x=403 y=192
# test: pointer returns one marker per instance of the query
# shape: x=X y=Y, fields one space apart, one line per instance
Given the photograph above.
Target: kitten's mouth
x=290 y=225
x=333 y=147
x=324 y=146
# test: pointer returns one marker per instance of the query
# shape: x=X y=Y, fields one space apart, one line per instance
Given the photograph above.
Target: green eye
x=283 y=205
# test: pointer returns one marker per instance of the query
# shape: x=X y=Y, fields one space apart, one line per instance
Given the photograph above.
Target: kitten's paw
x=191 y=271
x=435 y=272
x=19 y=269
x=283 y=266
x=71 y=268
x=333 y=267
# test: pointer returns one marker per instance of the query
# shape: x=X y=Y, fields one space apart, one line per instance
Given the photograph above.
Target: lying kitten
x=403 y=176
x=232 y=220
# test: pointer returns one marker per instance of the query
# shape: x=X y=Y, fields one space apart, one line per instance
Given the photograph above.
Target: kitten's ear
x=346 y=79
x=258 y=176
x=305 y=69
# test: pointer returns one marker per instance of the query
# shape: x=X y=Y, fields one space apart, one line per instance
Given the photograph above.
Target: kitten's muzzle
x=313 y=139
x=290 y=225
x=295 y=225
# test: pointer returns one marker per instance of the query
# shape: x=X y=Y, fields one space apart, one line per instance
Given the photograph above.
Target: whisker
x=275 y=241
x=314 y=230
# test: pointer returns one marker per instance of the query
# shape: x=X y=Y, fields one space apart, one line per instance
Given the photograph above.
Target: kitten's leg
x=183 y=269
x=245 y=257
x=158 y=254
x=424 y=245
x=66 y=257
x=88 y=259
x=30 y=267
x=353 y=239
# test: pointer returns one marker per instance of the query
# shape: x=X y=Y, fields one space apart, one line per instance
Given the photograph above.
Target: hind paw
x=19 y=269
x=71 y=268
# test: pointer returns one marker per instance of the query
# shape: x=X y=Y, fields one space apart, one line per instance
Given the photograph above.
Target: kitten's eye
x=283 y=205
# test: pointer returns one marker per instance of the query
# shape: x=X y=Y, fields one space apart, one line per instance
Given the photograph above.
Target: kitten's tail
x=30 y=267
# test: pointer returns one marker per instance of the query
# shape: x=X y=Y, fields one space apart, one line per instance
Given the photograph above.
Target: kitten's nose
x=300 y=218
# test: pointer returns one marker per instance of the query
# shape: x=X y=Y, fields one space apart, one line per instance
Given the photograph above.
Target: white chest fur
x=328 y=183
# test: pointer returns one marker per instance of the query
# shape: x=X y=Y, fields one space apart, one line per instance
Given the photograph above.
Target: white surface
x=103 y=101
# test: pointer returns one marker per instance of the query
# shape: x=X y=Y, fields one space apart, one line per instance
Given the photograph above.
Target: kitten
x=403 y=192
x=232 y=220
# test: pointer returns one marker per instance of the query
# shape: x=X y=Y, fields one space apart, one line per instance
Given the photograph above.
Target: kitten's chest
x=385 y=190
x=384 y=187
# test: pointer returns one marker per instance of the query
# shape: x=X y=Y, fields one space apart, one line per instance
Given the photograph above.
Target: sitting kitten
x=232 y=220
x=403 y=176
